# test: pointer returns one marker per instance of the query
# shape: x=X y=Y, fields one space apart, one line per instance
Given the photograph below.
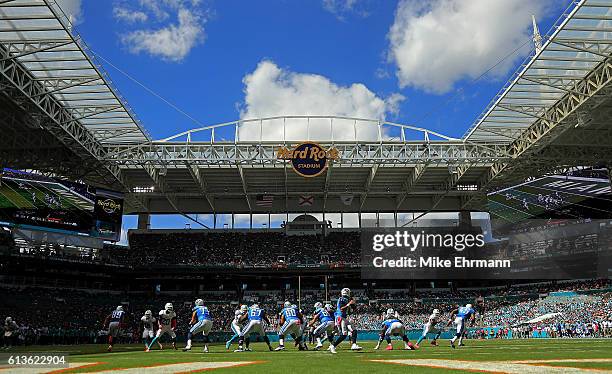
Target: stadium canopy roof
x=578 y=42
x=553 y=113
x=38 y=35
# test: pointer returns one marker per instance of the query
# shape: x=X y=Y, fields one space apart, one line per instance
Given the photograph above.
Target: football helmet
x=345 y=292
x=199 y=302
x=169 y=306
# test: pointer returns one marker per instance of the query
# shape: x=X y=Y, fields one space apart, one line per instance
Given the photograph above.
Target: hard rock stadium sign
x=308 y=159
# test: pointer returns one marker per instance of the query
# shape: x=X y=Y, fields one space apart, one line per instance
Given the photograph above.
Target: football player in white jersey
x=236 y=325
x=430 y=327
x=167 y=324
x=148 y=323
x=11 y=330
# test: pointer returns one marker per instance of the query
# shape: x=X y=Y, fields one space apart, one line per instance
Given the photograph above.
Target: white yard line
x=73 y=365
x=506 y=367
x=186 y=367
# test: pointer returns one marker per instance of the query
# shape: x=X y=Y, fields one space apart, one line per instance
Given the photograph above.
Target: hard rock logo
x=308 y=159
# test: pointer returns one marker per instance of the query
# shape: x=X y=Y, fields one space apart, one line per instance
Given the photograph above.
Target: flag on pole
x=347 y=199
x=264 y=200
x=306 y=200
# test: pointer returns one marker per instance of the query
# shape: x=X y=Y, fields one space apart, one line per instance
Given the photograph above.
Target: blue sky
x=407 y=61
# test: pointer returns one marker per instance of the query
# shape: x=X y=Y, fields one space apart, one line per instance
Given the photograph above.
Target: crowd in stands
x=244 y=248
x=59 y=316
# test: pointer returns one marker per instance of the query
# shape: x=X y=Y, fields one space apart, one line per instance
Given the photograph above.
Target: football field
x=495 y=356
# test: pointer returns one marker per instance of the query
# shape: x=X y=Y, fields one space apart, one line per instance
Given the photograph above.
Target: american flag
x=264 y=200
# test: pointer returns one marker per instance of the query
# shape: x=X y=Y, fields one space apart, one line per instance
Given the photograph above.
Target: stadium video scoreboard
x=40 y=202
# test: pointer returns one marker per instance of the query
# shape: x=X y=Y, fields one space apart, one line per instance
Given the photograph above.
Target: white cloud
x=342 y=8
x=272 y=91
x=131 y=16
x=435 y=44
x=72 y=9
x=172 y=42
x=170 y=39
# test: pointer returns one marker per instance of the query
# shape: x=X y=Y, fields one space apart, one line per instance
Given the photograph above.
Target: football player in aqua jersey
x=200 y=322
x=430 y=327
x=291 y=321
x=461 y=314
x=392 y=326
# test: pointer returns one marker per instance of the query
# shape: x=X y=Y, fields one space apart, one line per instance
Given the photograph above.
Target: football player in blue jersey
x=392 y=326
x=291 y=321
x=344 y=306
x=461 y=315
x=114 y=321
x=200 y=322
x=256 y=317
x=323 y=315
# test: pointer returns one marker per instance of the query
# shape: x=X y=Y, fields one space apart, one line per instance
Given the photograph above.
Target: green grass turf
x=346 y=361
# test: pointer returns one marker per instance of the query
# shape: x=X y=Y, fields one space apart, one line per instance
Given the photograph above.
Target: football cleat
x=389 y=347
x=239 y=350
x=205 y=349
x=355 y=347
x=452 y=345
x=227 y=344
x=186 y=349
x=332 y=349
x=318 y=346
x=410 y=347
x=280 y=348
x=433 y=342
